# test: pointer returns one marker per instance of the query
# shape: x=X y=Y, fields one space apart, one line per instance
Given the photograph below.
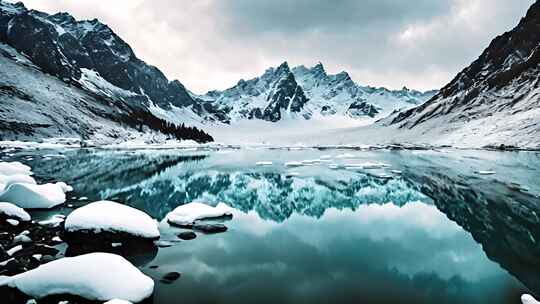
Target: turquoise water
x=328 y=231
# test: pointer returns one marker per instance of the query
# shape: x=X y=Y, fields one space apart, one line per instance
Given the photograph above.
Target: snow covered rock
x=117 y=301
x=29 y=196
x=189 y=213
x=13 y=168
x=10 y=211
x=528 y=299
x=94 y=276
x=111 y=220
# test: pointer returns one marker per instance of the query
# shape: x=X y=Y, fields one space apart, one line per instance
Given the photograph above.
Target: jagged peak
x=12 y=7
x=284 y=66
x=318 y=68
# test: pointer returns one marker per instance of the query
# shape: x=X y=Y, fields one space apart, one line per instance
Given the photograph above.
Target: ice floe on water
x=367 y=165
x=293 y=164
x=263 y=163
x=93 y=276
x=17 y=186
x=107 y=216
x=189 y=213
x=30 y=196
x=485 y=172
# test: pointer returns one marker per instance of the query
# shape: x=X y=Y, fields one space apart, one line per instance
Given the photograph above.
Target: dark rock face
x=499 y=81
x=287 y=96
x=61 y=45
x=362 y=108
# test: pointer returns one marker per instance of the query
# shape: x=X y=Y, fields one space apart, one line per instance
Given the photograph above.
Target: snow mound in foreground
x=94 y=276
x=528 y=299
x=112 y=217
x=29 y=196
x=13 y=168
x=189 y=213
x=13 y=212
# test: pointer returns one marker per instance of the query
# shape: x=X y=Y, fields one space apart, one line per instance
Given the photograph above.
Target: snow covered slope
x=306 y=93
x=496 y=100
x=63 y=77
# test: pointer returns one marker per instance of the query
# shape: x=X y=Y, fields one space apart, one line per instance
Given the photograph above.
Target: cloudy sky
x=211 y=44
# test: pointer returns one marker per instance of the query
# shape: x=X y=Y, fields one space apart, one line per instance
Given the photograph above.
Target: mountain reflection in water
x=315 y=234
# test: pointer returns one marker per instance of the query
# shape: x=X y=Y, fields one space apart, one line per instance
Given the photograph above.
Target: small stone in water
x=187 y=235
x=210 y=228
x=170 y=277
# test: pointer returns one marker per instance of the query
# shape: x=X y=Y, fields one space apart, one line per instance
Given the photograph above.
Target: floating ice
x=94 y=276
x=189 y=213
x=29 y=196
x=112 y=217
x=293 y=164
x=367 y=165
x=485 y=172
x=263 y=163
x=13 y=212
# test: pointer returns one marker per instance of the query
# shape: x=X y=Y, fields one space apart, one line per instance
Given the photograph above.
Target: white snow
x=112 y=217
x=94 y=276
x=14 y=250
x=486 y=172
x=7 y=180
x=13 y=222
x=29 y=196
x=293 y=164
x=14 y=212
x=528 y=299
x=117 y=301
x=14 y=168
x=189 y=213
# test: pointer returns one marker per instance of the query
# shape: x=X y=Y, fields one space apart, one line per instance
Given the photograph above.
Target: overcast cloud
x=211 y=44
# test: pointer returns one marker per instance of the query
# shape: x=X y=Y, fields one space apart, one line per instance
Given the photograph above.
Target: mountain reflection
x=503 y=219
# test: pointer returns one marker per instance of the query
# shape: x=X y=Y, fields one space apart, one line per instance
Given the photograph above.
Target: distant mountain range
x=64 y=77
x=304 y=93
x=88 y=58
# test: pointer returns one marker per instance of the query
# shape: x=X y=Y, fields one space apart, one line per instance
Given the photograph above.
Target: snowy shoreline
x=72 y=143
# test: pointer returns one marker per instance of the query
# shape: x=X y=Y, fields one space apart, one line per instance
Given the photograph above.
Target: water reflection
x=324 y=235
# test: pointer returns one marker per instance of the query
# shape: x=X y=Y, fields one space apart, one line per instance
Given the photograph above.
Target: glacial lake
x=426 y=227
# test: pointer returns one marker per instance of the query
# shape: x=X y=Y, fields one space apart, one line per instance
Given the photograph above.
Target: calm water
x=436 y=233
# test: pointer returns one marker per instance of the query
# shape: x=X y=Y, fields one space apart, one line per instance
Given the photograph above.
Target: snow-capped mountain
x=305 y=93
x=63 y=77
x=496 y=100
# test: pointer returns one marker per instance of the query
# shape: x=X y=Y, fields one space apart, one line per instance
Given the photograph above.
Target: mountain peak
x=283 y=67
x=318 y=69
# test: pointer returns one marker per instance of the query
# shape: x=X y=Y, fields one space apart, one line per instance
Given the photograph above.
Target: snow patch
x=189 y=213
x=84 y=276
x=112 y=217
x=14 y=212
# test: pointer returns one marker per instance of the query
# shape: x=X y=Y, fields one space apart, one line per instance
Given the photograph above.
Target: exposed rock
x=187 y=235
